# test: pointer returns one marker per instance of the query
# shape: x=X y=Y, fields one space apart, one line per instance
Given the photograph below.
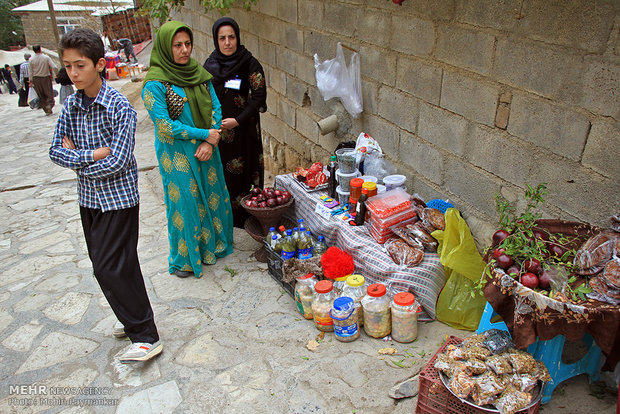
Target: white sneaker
x=119 y=330
x=141 y=351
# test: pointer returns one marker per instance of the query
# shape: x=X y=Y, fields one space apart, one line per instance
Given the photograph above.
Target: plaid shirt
x=110 y=121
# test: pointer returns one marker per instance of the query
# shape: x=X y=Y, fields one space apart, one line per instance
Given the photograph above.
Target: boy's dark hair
x=85 y=41
x=36 y=48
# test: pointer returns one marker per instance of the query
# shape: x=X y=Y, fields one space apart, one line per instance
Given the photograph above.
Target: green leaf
x=305 y=358
x=398 y=363
x=422 y=353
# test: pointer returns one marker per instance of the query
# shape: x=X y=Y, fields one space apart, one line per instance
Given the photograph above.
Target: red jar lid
x=356 y=182
x=308 y=276
x=376 y=290
x=323 y=286
x=404 y=299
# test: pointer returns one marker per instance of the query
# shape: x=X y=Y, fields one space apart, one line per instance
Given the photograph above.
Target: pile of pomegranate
x=268 y=197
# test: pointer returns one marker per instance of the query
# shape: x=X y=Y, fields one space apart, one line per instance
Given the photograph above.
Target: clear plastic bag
x=337 y=80
x=376 y=165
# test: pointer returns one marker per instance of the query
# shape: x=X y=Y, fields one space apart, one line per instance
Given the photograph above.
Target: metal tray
x=537 y=391
x=308 y=189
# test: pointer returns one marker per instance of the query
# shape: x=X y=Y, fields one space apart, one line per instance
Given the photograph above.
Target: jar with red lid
x=322 y=304
x=355 y=192
x=404 y=317
x=377 y=316
x=304 y=294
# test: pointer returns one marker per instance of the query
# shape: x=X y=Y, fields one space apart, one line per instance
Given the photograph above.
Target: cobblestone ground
x=232 y=343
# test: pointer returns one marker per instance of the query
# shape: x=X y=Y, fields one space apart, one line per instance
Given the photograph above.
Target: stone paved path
x=231 y=343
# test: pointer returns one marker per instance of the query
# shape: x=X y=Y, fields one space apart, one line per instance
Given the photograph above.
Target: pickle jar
x=344 y=315
x=404 y=317
x=339 y=284
x=377 y=316
x=304 y=293
x=322 y=305
x=354 y=288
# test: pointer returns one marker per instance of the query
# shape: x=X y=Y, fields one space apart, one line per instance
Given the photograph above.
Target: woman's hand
x=214 y=137
x=229 y=123
x=204 y=151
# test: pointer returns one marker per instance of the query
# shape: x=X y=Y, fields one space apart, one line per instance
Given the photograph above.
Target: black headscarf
x=224 y=67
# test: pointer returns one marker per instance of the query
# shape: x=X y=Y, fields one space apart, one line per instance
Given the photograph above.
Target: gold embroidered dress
x=197 y=201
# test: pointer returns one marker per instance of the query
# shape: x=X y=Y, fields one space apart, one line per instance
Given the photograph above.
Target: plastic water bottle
x=282 y=230
x=301 y=224
x=275 y=244
x=272 y=232
x=304 y=246
x=288 y=246
x=319 y=246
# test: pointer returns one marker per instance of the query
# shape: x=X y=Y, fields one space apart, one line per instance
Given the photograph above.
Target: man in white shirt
x=24 y=73
x=41 y=70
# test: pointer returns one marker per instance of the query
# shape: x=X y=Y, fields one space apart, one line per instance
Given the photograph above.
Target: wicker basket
x=267 y=217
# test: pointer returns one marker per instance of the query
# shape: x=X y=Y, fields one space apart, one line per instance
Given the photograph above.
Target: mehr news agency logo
x=43 y=395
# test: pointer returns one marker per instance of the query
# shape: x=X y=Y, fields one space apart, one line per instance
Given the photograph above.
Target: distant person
x=8 y=77
x=41 y=70
x=24 y=74
x=66 y=86
x=95 y=137
x=106 y=42
x=125 y=45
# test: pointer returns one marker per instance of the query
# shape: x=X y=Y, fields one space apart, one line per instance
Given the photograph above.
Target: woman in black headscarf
x=239 y=82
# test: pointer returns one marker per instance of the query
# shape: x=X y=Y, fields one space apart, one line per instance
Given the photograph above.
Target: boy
x=95 y=136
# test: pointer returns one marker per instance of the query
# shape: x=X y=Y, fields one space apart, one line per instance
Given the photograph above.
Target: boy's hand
x=101 y=153
x=204 y=151
x=67 y=143
x=214 y=137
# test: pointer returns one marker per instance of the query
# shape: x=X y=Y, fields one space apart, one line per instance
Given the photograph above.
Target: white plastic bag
x=33 y=99
x=335 y=80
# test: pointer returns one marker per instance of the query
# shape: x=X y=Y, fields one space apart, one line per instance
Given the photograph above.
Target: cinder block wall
x=468 y=98
x=38 y=28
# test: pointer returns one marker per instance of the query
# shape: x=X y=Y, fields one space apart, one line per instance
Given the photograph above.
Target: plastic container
x=343 y=196
x=344 y=315
x=383 y=223
x=393 y=181
x=322 y=305
x=354 y=288
x=389 y=203
x=343 y=179
x=381 y=189
x=404 y=317
x=377 y=315
x=346 y=160
x=371 y=186
x=304 y=294
x=369 y=178
x=339 y=283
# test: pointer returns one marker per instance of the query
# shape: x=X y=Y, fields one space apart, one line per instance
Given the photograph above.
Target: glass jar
x=377 y=316
x=304 y=293
x=322 y=305
x=371 y=187
x=354 y=288
x=355 y=192
x=339 y=284
x=345 y=319
x=404 y=317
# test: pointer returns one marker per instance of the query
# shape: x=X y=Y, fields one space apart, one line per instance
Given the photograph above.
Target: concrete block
x=319 y=106
x=543 y=124
x=501 y=154
x=330 y=141
x=295 y=90
x=419 y=79
x=469 y=97
x=286 y=111
x=376 y=63
x=471 y=184
x=465 y=47
x=287 y=10
x=442 y=128
x=527 y=65
x=399 y=108
x=305 y=69
x=411 y=35
x=428 y=9
x=310 y=13
x=601 y=88
x=386 y=134
x=496 y=14
x=251 y=43
x=272 y=101
x=268 y=7
x=286 y=60
x=367 y=28
x=581 y=24
x=277 y=81
x=321 y=44
x=602 y=151
x=266 y=53
x=274 y=126
x=292 y=37
x=341 y=19
x=424 y=186
x=307 y=125
x=295 y=141
x=370 y=91
x=423 y=158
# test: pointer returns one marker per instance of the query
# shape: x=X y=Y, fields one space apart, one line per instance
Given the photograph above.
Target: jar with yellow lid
x=354 y=288
x=371 y=187
x=339 y=283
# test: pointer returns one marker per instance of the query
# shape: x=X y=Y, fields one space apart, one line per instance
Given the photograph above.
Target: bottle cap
x=333 y=158
x=356 y=182
x=300 y=221
x=369 y=185
x=343 y=304
x=308 y=233
x=321 y=238
x=323 y=286
x=302 y=229
x=295 y=229
x=281 y=228
x=274 y=237
x=355 y=280
x=308 y=276
x=342 y=279
x=404 y=299
x=289 y=232
x=376 y=290
x=272 y=229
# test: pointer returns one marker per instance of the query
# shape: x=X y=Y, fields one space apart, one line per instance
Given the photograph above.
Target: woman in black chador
x=239 y=82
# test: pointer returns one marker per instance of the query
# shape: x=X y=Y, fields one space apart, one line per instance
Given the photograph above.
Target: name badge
x=233 y=84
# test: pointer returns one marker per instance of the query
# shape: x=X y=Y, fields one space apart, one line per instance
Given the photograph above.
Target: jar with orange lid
x=354 y=288
x=322 y=304
x=377 y=316
x=371 y=187
x=404 y=317
x=304 y=294
x=355 y=191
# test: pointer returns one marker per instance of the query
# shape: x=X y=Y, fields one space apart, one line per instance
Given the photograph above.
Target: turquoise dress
x=200 y=222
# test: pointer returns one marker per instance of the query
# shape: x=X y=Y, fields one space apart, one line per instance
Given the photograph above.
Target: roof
x=96 y=8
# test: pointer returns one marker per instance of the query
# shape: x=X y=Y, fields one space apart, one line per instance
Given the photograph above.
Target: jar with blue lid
x=344 y=315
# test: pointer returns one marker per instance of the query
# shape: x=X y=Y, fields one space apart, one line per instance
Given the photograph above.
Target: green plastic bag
x=464 y=266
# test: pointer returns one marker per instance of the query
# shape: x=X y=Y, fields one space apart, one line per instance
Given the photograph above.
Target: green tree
x=160 y=9
x=11 y=31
